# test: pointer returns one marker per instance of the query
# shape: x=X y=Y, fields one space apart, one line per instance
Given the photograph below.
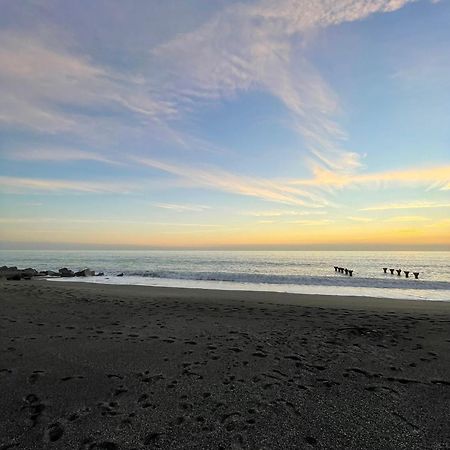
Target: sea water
x=310 y=272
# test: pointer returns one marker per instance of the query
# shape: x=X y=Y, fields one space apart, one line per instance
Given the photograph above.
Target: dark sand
x=86 y=366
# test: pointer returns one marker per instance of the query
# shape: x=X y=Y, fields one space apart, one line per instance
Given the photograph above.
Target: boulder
x=100 y=274
x=13 y=271
x=120 y=275
x=85 y=273
x=6 y=271
x=29 y=272
x=65 y=272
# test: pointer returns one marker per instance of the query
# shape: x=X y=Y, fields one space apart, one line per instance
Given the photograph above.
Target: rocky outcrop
x=85 y=273
x=15 y=274
x=6 y=271
x=29 y=272
x=65 y=272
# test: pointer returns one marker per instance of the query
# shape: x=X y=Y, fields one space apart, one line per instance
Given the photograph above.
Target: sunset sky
x=225 y=124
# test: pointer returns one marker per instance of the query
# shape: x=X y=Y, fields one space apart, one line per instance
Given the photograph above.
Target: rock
x=85 y=273
x=65 y=272
x=15 y=277
x=6 y=271
x=120 y=275
x=100 y=274
x=14 y=273
x=52 y=273
x=29 y=272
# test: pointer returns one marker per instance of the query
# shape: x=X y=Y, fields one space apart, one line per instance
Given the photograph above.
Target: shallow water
x=281 y=271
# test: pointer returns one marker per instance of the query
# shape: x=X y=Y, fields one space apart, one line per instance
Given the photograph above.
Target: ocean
x=309 y=272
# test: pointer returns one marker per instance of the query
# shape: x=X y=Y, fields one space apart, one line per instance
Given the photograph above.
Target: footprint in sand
x=120 y=390
x=35 y=376
x=35 y=407
x=108 y=408
x=54 y=432
x=143 y=401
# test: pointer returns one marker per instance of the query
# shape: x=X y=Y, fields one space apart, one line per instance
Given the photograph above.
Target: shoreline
x=287 y=298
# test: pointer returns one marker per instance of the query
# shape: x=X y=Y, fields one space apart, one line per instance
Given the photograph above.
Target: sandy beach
x=86 y=366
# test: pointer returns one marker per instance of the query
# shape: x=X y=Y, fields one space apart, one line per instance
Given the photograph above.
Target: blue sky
x=205 y=124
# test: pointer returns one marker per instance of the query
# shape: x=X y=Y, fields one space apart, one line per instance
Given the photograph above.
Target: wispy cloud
x=56 y=154
x=44 y=86
x=302 y=222
x=407 y=219
x=437 y=177
x=280 y=213
x=407 y=205
x=180 y=207
x=318 y=222
x=51 y=87
x=15 y=184
x=360 y=219
x=212 y=177
x=77 y=221
x=256 y=46
x=301 y=192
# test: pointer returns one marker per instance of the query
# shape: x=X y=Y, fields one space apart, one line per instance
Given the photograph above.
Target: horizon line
x=34 y=246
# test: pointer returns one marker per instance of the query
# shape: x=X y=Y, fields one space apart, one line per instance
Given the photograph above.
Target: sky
x=228 y=124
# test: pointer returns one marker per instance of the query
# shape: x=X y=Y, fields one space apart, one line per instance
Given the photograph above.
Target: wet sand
x=86 y=366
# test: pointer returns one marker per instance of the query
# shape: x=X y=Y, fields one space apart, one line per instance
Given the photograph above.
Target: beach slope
x=86 y=366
